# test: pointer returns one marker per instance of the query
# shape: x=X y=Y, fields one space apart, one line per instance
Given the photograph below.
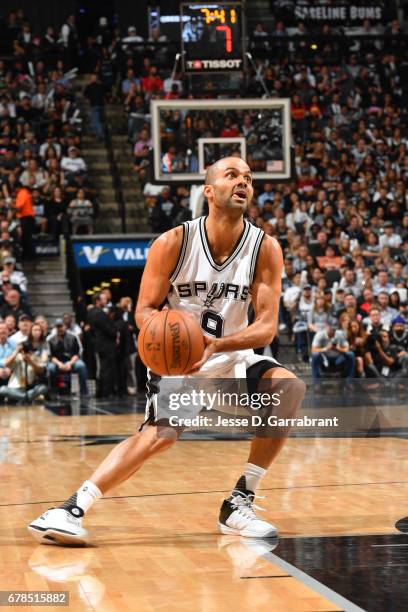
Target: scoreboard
x=212 y=37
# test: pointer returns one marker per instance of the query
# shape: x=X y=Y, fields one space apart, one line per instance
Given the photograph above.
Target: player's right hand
x=210 y=349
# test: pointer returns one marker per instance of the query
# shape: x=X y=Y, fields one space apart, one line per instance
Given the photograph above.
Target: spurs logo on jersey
x=226 y=291
x=218 y=295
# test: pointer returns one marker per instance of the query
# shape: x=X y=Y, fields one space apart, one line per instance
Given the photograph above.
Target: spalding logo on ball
x=170 y=343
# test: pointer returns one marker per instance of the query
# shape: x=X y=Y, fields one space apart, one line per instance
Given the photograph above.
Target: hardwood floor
x=155 y=539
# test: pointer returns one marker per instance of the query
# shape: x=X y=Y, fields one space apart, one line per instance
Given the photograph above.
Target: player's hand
x=210 y=349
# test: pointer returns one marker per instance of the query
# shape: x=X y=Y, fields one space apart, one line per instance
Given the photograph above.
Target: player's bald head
x=221 y=165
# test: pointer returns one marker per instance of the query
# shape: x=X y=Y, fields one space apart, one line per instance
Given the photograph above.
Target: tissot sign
x=216 y=64
x=111 y=254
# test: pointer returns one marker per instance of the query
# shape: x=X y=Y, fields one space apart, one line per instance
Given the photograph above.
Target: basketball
x=170 y=343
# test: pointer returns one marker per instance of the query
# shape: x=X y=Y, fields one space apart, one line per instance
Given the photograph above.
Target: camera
x=27 y=348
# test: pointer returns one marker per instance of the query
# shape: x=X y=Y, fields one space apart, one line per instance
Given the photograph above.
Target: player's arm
x=265 y=292
x=160 y=265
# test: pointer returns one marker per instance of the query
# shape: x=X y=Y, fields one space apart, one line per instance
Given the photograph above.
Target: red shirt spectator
x=24 y=203
x=298 y=109
x=152 y=83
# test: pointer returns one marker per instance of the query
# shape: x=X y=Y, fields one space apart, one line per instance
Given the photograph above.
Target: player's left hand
x=210 y=349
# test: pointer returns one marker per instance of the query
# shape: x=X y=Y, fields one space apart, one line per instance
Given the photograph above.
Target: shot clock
x=213 y=37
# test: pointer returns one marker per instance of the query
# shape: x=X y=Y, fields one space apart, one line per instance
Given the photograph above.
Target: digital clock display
x=212 y=37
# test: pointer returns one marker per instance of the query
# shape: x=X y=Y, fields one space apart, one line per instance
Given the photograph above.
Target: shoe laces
x=72 y=519
x=244 y=504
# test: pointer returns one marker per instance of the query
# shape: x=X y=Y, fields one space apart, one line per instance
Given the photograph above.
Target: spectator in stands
x=291 y=297
x=318 y=316
x=14 y=305
x=11 y=322
x=382 y=283
x=152 y=84
x=382 y=358
x=126 y=309
x=106 y=299
x=104 y=337
x=331 y=349
x=43 y=323
x=357 y=337
x=55 y=211
x=28 y=366
x=161 y=213
x=143 y=141
x=300 y=327
x=80 y=181
x=349 y=283
x=70 y=40
x=33 y=176
x=95 y=93
x=65 y=356
x=24 y=327
x=123 y=348
x=131 y=83
x=25 y=214
x=389 y=237
x=73 y=163
x=80 y=212
x=71 y=326
x=131 y=38
x=399 y=343
x=7 y=347
x=387 y=313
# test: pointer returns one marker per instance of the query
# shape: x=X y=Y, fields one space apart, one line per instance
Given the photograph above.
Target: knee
x=292 y=390
x=80 y=365
x=298 y=388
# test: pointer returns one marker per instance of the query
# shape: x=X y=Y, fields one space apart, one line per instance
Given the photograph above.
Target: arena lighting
x=103 y=285
x=116 y=280
x=96 y=288
x=90 y=292
x=313 y=46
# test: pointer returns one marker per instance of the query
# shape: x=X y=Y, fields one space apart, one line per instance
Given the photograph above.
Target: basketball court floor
x=339 y=503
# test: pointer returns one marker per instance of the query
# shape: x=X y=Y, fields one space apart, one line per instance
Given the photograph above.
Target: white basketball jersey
x=218 y=295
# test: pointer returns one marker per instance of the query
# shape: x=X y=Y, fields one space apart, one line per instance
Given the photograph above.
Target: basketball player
x=211 y=267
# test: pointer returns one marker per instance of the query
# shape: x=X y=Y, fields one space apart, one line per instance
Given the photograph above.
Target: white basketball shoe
x=237 y=517
x=58 y=526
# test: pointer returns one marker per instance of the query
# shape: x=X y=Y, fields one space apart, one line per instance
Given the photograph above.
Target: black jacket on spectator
x=104 y=335
x=400 y=342
x=64 y=348
x=103 y=330
x=6 y=310
x=95 y=94
x=161 y=219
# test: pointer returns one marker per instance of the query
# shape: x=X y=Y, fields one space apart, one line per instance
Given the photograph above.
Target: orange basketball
x=170 y=343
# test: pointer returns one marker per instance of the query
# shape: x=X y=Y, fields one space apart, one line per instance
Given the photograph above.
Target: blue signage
x=115 y=254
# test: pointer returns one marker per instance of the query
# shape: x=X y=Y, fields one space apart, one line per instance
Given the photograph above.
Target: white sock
x=83 y=499
x=250 y=478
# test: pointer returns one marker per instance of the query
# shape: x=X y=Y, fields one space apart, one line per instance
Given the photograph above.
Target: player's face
x=232 y=186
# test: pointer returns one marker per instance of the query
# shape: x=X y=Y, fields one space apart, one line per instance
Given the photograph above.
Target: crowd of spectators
x=44 y=188
x=39 y=362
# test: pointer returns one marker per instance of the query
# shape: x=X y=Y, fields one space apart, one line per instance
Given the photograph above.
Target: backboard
x=189 y=134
